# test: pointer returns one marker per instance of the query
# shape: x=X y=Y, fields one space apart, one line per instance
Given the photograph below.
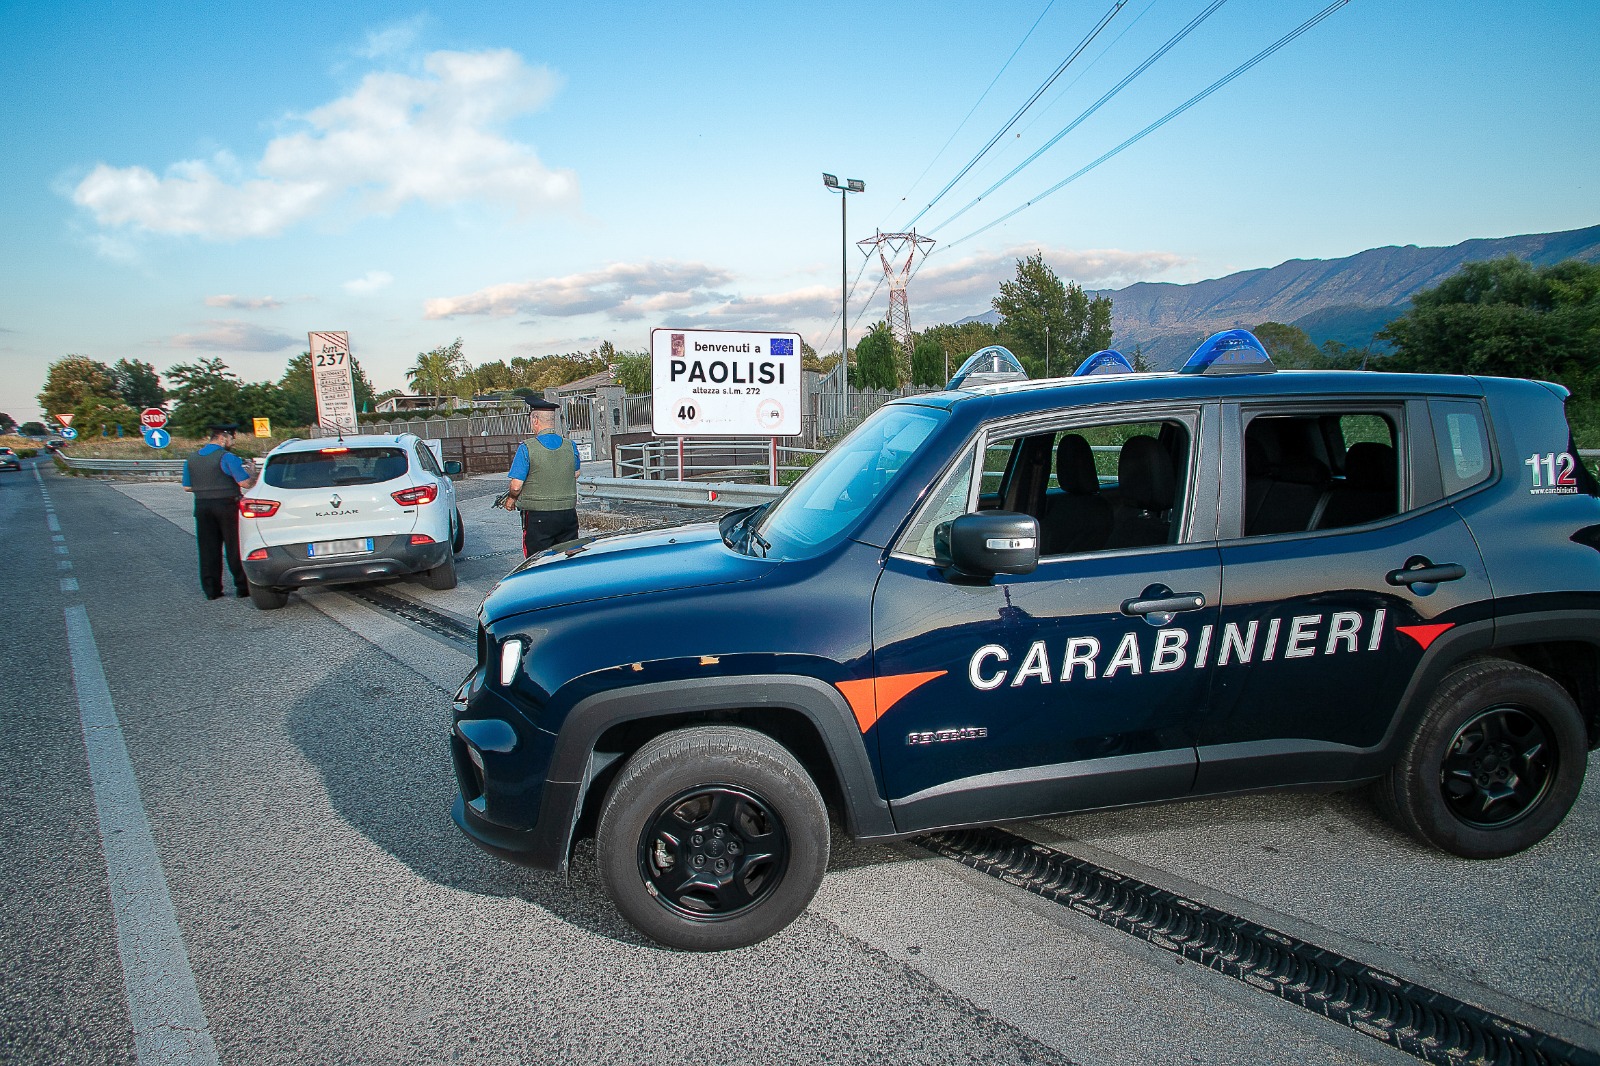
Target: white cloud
x=624 y=291
x=244 y=303
x=369 y=283
x=393 y=39
x=233 y=335
x=395 y=139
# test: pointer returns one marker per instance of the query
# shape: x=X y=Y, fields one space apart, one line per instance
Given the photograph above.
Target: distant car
x=333 y=511
x=9 y=460
x=54 y=443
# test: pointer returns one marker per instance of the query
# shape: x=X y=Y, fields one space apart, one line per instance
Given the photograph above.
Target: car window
x=1311 y=471
x=948 y=500
x=425 y=457
x=1463 y=444
x=332 y=467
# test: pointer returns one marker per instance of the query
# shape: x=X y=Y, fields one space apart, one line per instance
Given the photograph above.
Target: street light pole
x=1047 y=349
x=850 y=185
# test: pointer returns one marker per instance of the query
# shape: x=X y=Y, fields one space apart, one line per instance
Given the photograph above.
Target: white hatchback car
x=356 y=508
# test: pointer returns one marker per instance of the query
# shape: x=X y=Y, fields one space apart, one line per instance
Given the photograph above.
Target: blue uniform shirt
x=232 y=465
x=519 y=465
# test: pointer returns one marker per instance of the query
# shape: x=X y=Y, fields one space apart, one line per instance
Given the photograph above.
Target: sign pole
x=772 y=466
x=680 y=458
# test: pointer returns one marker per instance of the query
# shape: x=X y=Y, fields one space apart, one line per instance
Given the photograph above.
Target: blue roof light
x=986 y=366
x=1233 y=351
x=1107 y=361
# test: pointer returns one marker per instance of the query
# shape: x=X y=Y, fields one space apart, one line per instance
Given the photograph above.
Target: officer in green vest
x=544 y=485
x=218 y=478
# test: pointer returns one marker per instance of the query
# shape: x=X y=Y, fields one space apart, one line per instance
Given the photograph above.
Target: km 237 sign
x=725 y=383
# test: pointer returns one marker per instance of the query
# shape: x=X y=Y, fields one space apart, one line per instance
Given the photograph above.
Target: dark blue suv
x=1013 y=600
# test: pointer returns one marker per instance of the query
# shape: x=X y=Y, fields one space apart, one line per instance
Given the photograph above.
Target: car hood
x=601 y=568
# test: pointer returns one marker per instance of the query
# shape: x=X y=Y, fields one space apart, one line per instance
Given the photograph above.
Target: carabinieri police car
x=1020 y=598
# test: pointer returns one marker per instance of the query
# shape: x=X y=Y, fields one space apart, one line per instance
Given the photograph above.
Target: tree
x=103 y=415
x=207 y=393
x=437 y=371
x=137 y=384
x=32 y=429
x=72 y=379
x=634 y=373
x=927 y=363
x=1291 y=347
x=7 y=423
x=961 y=341
x=875 y=362
x=1037 y=304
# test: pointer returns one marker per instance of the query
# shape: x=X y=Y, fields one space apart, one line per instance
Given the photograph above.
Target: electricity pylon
x=898 y=253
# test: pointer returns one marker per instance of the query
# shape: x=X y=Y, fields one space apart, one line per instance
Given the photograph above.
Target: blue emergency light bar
x=1106 y=361
x=1233 y=351
x=986 y=366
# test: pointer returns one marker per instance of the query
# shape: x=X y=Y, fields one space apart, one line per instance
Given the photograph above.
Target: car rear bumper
x=290 y=566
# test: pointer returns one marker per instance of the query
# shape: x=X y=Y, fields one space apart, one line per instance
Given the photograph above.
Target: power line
x=981 y=98
x=1012 y=121
x=1162 y=121
x=835 y=323
x=1091 y=109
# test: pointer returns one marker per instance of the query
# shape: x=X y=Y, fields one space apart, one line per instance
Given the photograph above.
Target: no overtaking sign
x=725 y=383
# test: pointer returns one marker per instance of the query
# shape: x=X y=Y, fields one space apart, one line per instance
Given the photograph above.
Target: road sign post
x=725 y=383
x=156 y=437
x=333 y=381
x=152 y=418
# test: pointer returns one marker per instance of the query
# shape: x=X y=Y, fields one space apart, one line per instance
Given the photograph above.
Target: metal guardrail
x=660 y=459
x=721 y=494
x=173 y=467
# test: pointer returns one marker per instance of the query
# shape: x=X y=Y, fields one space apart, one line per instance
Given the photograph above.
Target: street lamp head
x=856 y=185
x=830 y=180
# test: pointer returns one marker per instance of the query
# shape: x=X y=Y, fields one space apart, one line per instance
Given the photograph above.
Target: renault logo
x=335 y=500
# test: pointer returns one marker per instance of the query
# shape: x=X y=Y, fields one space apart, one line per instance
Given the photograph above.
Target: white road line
x=69 y=584
x=55 y=523
x=169 y=1025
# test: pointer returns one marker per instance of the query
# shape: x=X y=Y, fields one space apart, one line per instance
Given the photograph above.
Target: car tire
x=1495 y=765
x=267 y=598
x=458 y=539
x=737 y=805
x=440 y=577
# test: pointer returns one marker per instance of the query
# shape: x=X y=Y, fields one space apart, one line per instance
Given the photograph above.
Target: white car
x=356 y=508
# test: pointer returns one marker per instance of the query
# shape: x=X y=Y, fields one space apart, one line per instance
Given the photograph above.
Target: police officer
x=218 y=478
x=544 y=484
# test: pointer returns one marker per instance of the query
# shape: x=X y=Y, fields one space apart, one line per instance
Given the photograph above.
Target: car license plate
x=357 y=546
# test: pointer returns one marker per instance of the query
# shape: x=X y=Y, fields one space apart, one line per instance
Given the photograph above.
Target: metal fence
x=722 y=494
x=700 y=458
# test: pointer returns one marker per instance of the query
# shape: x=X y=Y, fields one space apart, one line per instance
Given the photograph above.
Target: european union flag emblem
x=780 y=345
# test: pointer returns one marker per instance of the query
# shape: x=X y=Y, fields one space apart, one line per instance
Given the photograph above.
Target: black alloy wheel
x=1498 y=767
x=713 y=852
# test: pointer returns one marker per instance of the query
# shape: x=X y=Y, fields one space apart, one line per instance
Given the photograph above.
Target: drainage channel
x=434 y=621
x=1426 y=1024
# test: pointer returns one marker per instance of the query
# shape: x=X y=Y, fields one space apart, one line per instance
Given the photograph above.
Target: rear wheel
x=712 y=838
x=267 y=598
x=441 y=577
x=458 y=540
x=1495 y=765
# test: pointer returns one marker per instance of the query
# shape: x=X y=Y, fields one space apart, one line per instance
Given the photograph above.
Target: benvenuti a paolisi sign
x=725 y=383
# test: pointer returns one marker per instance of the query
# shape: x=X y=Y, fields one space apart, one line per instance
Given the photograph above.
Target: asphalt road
x=291 y=770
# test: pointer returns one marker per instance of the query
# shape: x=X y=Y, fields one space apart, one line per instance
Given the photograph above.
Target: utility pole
x=850 y=185
x=898 y=253
x=1047 y=349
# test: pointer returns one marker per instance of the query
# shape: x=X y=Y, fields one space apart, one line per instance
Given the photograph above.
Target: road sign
x=725 y=383
x=154 y=417
x=65 y=420
x=157 y=437
x=263 y=426
x=69 y=433
x=332 y=381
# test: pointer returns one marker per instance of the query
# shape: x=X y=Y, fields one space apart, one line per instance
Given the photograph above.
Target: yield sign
x=65 y=420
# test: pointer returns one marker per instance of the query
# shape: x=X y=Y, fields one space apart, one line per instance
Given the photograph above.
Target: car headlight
x=511 y=652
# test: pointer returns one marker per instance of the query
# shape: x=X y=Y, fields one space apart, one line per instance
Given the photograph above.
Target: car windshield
x=821 y=506
x=334 y=466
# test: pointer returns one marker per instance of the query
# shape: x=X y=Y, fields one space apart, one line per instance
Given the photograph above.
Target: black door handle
x=1426 y=574
x=1181 y=601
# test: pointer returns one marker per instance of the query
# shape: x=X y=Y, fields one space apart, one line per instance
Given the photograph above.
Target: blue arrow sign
x=69 y=433
x=157 y=438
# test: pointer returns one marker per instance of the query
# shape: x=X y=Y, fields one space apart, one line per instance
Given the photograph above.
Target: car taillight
x=257 y=555
x=416 y=497
x=249 y=508
x=421 y=538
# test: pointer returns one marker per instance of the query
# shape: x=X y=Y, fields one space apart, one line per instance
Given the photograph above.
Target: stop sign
x=154 y=417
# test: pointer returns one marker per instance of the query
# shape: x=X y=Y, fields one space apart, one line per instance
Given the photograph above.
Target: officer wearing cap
x=544 y=485
x=218 y=478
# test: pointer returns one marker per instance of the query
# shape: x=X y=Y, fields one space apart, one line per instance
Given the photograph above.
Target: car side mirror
x=987 y=543
x=451 y=468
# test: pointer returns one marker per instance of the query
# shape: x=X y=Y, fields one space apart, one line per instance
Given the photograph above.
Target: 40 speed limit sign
x=725 y=383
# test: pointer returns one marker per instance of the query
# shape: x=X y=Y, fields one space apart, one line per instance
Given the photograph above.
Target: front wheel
x=1495 y=765
x=712 y=838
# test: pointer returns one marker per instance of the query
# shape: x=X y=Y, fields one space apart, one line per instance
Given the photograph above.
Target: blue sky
x=179 y=182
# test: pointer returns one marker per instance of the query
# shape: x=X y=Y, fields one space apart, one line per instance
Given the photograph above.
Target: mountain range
x=1345 y=300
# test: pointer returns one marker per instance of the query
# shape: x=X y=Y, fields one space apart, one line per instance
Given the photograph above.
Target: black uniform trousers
x=216 y=526
x=542 y=529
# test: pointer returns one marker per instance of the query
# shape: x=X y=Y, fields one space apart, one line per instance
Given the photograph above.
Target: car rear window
x=327 y=469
